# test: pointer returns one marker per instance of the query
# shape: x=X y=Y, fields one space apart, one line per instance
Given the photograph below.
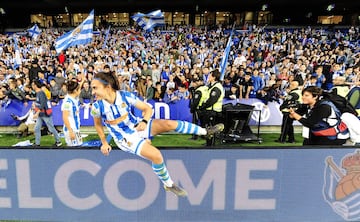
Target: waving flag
x=81 y=35
x=34 y=31
x=225 y=57
x=106 y=37
x=150 y=20
x=17 y=59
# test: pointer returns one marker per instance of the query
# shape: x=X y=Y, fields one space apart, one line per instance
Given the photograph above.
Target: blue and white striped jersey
x=120 y=110
x=72 y=105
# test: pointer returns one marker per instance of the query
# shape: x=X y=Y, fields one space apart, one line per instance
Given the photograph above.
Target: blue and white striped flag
x=106 y=37
x=150 y=20
x=17 y=58
x=225 y=57
x=132 y=83
x=34 y=31
x=81 y=35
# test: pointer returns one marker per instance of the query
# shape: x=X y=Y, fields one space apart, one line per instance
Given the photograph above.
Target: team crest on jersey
x=67 y=106
x=123 y=105
x=125 y=142
x=342 y=186
x=93 y=112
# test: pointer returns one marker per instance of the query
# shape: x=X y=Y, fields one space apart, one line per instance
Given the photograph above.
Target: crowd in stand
x=162 y=65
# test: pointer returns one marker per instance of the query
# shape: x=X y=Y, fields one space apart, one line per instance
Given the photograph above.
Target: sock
x=163 y=174
x=189 y=128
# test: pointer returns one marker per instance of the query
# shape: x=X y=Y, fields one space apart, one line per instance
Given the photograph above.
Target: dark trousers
x=210 y=118
x=195 y=120
x=287 y=128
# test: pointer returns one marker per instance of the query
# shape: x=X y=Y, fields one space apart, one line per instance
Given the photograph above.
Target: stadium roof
x=187 y=5
x=298 y=11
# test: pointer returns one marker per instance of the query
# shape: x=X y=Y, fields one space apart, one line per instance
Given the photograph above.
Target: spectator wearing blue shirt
x=258 y=83
x=41 y=77
x=182 y=92
x=320 y=76
x=227 y=84
x=165 y=75
x=170 y=96
x=50 y=73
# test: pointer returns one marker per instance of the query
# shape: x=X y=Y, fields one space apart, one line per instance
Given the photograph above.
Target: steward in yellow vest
x=211 y=109
x=200 y=95
x=216 y=94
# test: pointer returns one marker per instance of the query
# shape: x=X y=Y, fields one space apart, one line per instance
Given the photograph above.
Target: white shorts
x=76 y=142
x=133 y=142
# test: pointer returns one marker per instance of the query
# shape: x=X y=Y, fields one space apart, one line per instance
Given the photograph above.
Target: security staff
x=292 y=99
x=211 y=109
x=199 y=93
x=216 y=94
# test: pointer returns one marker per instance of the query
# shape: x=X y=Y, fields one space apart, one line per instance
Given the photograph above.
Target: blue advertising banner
x=267 y=115
x=248 y=185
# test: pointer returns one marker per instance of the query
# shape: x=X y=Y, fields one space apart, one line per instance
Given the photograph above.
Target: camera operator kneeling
x=322 y=125
x=292 y=100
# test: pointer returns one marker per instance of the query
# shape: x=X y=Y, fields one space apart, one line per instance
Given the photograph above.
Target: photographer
x=27 y=124
x=322 y=124
x=292 y=100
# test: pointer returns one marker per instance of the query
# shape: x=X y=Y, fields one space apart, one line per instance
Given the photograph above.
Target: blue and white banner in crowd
x=17 y=58
x=247 y=185
x=81 y=35
x=267 y=115
x=149 y=21
x=107 y=32
x=34 y=31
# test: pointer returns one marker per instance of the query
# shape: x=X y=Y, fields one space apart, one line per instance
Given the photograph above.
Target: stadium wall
x=267 y=115
x=248 y=185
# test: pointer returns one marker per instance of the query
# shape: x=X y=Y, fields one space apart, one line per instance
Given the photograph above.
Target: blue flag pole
x=225 y=58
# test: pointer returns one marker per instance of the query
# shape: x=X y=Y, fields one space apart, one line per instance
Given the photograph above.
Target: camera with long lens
x=290 y=104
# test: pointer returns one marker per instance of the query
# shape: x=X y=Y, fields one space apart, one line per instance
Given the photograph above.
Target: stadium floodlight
x=2 y=11
x=264 y=7
x=330 y=7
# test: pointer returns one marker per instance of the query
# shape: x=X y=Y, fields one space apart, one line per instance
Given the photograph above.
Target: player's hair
x=108 y=78
x=72 y=85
